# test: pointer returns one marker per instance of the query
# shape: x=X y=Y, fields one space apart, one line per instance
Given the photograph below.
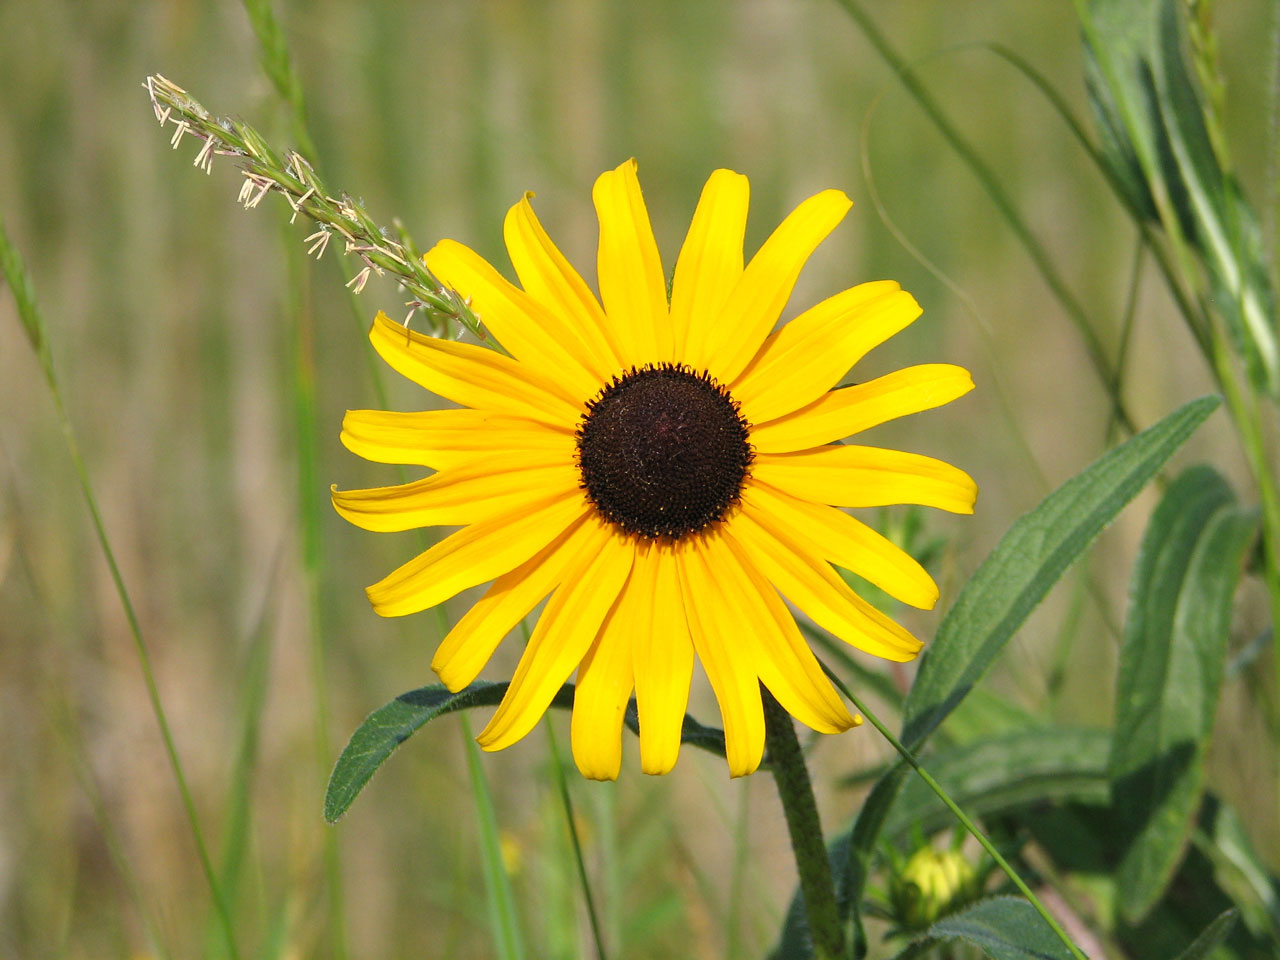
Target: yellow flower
x=665 y=471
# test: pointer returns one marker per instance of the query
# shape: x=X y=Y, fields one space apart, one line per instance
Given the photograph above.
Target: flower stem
x=801 y=810
x=961 y=816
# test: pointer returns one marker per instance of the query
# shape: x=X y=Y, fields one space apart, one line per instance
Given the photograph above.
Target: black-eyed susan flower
x=666 y=471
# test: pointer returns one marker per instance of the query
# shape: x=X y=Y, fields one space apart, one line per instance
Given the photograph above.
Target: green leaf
x=1238 y=870
x=1213 y=935
x=1028 y=561
x=1005 y=928
x=391 y=725
x=1171 y=667
x=1157 y=134
x=1001 y=774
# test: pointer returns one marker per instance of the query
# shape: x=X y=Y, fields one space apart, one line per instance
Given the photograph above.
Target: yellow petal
x=563 y=635
x=474 y=555
x=733 y=677
x=768 y=637
x=633 y=286
x=710 y=262
x=470 y=494
x=841 y=413
x=809 y=582
x=811 y=354
x=463 y=653
x=604 y=687
x=851 y=476
x=834 y=535
x=472 y=376
x=663 y=657
x=757 y=300
x=448 y=438
x=549 y=278
x=534 y=335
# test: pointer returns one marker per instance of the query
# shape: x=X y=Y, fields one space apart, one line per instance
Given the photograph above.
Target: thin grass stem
x=737 y=880
x=309 y=518
x=960 y=816
x=562 y=787
x=34 y=325
x=503 y=918
x=991 y=183
x=63 y=720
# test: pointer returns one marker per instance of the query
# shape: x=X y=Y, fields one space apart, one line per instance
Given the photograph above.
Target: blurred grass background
x=172 y=316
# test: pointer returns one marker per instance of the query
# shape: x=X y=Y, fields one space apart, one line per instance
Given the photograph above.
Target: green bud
x=932 y=883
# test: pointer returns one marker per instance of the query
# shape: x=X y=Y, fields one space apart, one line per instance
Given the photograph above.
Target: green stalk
x=961 y=816
x=502 y=907
x=500 y=899
x=817 y=887
x=33 y=324
x=741 y=850
x=309 y=516
x=562 y=786
x=1248 y=422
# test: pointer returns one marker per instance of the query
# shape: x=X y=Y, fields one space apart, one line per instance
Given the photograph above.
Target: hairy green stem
x=801 y=810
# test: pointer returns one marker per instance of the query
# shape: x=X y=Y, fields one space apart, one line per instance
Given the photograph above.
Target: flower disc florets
x=663 y=451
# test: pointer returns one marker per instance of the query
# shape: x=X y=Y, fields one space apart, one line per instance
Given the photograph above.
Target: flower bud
x=932 y=883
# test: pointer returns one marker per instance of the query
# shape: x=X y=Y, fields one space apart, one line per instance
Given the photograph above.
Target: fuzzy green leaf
x=1171 y=667
x=391 y=725
x=1028 y=561
x=1006 y=928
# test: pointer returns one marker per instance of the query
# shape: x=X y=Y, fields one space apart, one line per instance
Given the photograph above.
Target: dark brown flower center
x=663 y=451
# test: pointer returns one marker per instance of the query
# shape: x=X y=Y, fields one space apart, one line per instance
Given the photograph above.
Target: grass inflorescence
x=293 y=177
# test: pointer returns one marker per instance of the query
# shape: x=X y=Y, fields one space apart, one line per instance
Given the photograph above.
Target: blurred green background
x=174 y=322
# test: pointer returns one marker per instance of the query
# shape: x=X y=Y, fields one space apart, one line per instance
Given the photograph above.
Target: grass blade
x=991 y=184
x=33 y=323
x=504 y=921
x=1214 y=934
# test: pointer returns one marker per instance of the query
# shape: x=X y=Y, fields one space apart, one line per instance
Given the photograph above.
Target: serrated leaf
x=1028 y=561
x=389 y=726
x=1005 y=928
x=1171 y=666
x=1214 y=934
